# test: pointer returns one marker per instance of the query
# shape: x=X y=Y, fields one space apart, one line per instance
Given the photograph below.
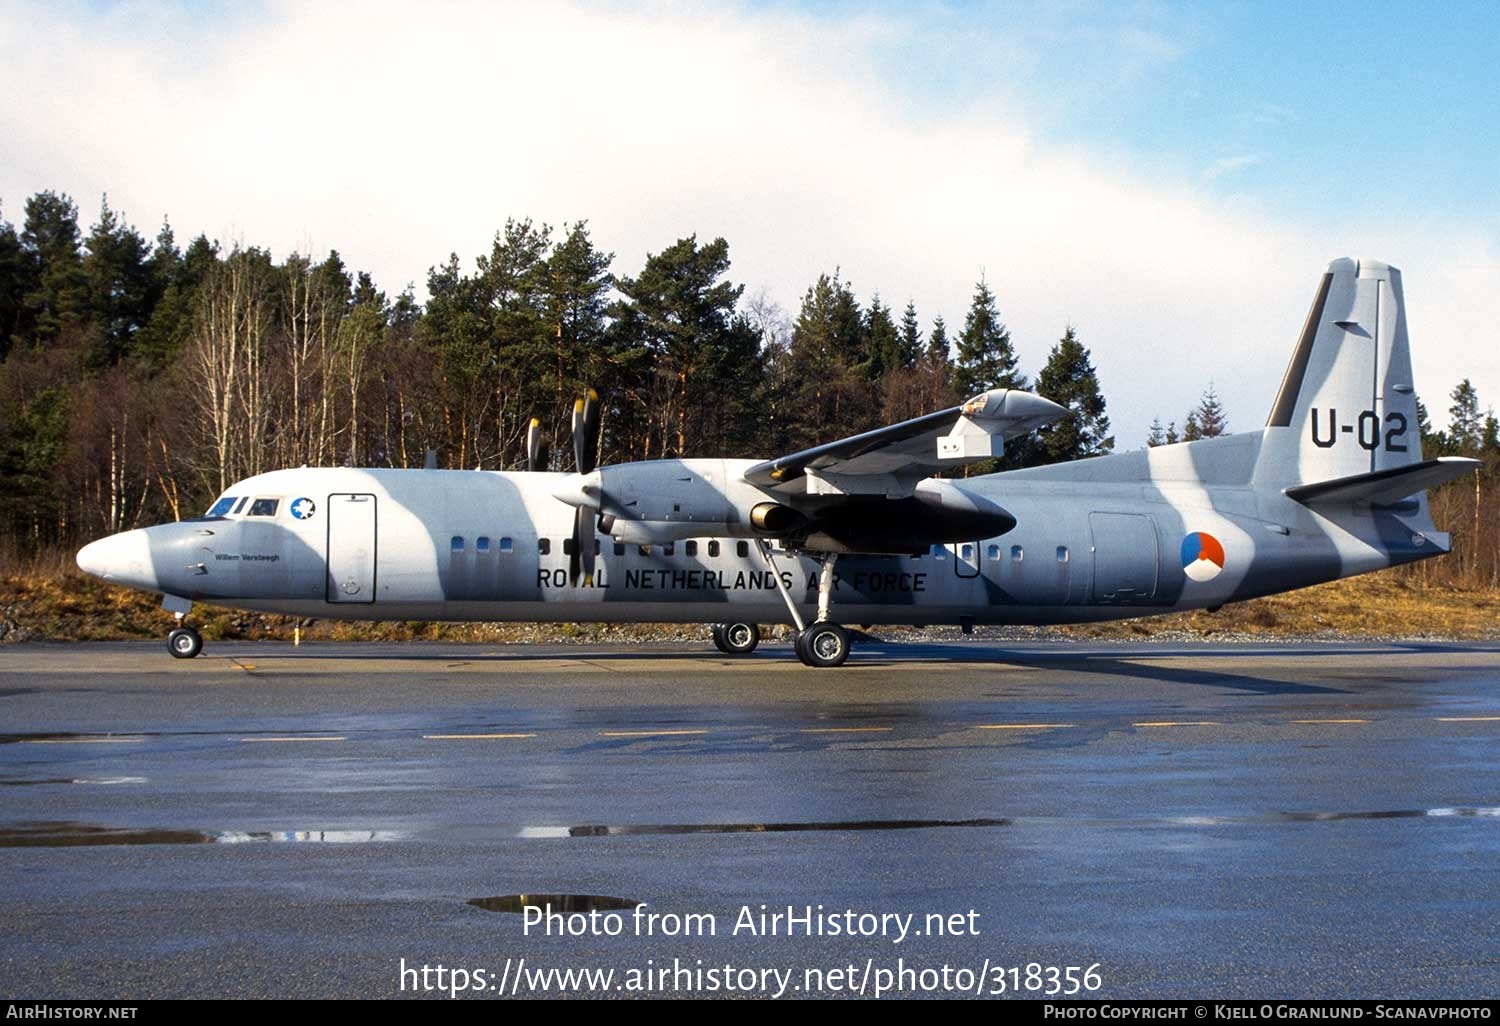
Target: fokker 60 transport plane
x=859 y=530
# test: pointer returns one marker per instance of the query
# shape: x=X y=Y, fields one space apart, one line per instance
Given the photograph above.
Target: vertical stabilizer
x=1347 y=405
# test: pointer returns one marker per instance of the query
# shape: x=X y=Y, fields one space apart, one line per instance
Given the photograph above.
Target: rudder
x=1347 y=405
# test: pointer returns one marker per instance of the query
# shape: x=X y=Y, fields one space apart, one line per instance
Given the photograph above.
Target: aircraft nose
x=123 y=558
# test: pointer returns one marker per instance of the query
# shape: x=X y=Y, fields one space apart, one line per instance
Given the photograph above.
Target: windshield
x=222 y=507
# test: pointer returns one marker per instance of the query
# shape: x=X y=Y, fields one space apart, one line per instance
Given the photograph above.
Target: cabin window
x=619 y=548
x=597 y=547
x=544 y=546
x=644 y=550
x=221 y=507
x=1017 y=553
x=689 y=548
x=669 y=549
x=481 y=545
x=264 y=507
x=742 y=548
x=967 y=551
x=457 y=544
x=994 y=552
x=506 y=545
x=939 y=552
x=713 y=548
x=569 y=546
x=1062 y=553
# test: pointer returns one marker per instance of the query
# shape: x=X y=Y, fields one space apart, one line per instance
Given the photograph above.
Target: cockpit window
x=221 y=507
x=264 y=507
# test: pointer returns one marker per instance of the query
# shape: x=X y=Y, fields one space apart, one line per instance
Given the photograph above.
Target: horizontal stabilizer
x=1383 y=486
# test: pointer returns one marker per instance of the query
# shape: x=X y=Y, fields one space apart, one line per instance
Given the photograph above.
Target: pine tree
x=58 y=295
x=12 y=284
x=882 y=343
x=911 y=336
x=986 y=358
x=1069 y=378
x=119 y=283
x=1207 y=419
x=829 y=396
x=1157 y=435
x=1465 y=425
x=938 y=348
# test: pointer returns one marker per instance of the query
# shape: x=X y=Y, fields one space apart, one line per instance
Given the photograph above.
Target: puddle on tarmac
x=562 y=904
x=756 y=828
x=83 y=835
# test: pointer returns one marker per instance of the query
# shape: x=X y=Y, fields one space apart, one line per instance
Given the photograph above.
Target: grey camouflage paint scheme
x=1094 y=540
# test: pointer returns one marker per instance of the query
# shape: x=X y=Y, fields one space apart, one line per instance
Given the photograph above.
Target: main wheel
x=716 y=631
x=737 y=638
x=184 y=643
x=824 y=644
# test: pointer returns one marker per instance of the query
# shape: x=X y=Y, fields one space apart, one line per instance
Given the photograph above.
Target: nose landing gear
x=184 y=642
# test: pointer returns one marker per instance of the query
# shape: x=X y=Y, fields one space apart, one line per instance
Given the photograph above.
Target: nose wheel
x=184 y=643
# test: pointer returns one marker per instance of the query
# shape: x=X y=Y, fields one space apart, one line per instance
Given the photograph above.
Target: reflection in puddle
x=72 y=780
x=756 y=828
x=562 y=904
x=75 y=835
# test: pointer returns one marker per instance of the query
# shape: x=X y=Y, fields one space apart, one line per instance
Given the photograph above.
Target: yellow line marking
x=1021 y=726
x=252 y=740
x=1178 y=723
x=1468 y=719
x=648 y=733
x=81 y=740
x=844 y=730
x=474 y=737
x=1331 y=721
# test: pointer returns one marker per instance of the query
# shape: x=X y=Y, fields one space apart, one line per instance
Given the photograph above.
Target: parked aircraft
x=859 y=530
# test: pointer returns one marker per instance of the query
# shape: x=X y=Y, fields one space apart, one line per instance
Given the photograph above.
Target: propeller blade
x=534 y=445
x=586 y=431
x=581 y=562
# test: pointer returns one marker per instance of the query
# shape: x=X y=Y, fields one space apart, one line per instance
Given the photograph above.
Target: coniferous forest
x=139 y=375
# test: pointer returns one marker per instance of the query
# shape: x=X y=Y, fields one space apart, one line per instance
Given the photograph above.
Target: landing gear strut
x=736 y=638
x=825 y=643
x=184 y=642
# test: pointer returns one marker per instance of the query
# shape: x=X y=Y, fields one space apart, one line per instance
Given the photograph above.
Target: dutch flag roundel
x=1202 y=556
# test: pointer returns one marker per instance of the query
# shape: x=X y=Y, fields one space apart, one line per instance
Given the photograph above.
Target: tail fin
x=1347 y=405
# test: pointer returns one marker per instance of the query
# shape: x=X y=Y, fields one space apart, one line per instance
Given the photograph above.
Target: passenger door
x=351 y=548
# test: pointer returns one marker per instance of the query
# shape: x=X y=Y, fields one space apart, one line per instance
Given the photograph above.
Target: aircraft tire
x=716 y=631
x=737 y=638
x=184 y=643
x=823 y=644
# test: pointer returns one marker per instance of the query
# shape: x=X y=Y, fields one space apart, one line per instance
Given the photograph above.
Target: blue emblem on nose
x=304 y=508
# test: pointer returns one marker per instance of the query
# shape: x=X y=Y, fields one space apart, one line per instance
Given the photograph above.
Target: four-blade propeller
x=585 y=450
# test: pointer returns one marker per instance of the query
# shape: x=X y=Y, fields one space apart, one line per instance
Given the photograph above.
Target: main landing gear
x=736 y=638
x=824 y=643
x=184 y=642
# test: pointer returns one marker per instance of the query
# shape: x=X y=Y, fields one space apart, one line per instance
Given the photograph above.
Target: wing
x=891 y=460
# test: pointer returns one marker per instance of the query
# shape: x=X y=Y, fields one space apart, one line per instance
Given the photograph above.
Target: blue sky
x=1168 y=178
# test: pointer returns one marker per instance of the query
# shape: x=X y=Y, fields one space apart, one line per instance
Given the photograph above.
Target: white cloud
x=397 y=134
x=1228 y=165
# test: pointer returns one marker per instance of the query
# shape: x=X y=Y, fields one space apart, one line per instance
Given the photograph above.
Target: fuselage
x=1128 y=535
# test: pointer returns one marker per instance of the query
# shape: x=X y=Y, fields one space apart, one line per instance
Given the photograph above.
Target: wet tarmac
x=1236 y=821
